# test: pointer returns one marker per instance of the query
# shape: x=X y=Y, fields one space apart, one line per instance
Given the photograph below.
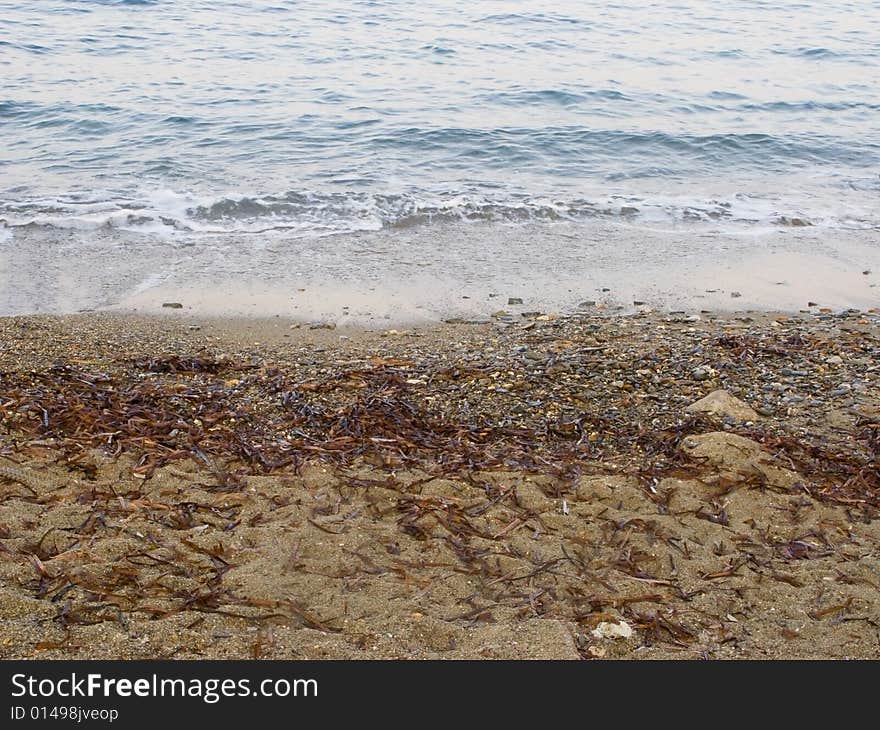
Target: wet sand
x=425 y=274
x=533 y=487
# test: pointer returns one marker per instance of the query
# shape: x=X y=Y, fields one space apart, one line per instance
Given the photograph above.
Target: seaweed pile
x=245 y=418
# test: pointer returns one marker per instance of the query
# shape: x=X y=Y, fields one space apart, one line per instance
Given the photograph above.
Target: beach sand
x=532 y=487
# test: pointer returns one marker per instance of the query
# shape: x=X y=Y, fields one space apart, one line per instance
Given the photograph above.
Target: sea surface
x=435 y=151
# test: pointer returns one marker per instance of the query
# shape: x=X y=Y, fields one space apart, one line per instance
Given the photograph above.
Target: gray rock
x=789 y=372
x=702 y=372
x=172 y=305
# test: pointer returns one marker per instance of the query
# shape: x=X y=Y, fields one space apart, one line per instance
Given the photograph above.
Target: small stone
x=834 y=360
x=322 y=326
x=638 y=303
x=797 y=222
x=735 y=295
x=172 y=305
x=608 y=630
x=789 y=372
x=702 y=372
x=587 y=304
x=514 y=300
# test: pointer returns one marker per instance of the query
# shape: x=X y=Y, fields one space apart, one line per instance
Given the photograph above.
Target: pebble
x=703 y=372
x=608 y=630
x=792 y=373
x=797 y=222
x=172 y=305
x=514 y=300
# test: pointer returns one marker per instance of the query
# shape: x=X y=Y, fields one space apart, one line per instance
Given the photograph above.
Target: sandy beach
x=534 y=486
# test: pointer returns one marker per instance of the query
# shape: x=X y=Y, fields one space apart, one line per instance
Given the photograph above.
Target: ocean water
x=348 y=142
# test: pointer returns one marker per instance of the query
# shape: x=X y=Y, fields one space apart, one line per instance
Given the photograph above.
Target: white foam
x=172 y=214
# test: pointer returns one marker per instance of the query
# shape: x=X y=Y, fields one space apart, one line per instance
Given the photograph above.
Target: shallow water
x=174 y=143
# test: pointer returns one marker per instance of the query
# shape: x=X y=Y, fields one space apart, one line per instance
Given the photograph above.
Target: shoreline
x=541 y=489
x=434 y=272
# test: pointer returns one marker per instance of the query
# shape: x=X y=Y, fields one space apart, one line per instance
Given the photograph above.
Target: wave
x=313 y=214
